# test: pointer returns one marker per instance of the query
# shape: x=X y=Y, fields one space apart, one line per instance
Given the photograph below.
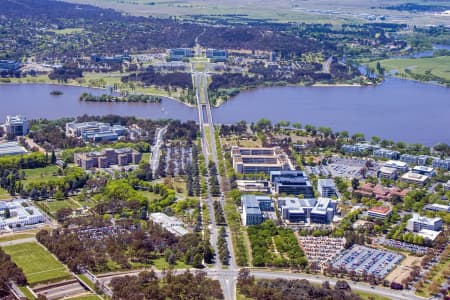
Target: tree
x=197 y=262
x=7 y=213
x=53 y=158
x=355 y=183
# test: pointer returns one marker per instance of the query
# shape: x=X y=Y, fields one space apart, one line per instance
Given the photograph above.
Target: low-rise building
x=217 y=55
x=415 y=178
x=441 y=163
x=423 y=170
x=19 y=213
x=180 y=53
x=107 y=157
x=171 y=224
x=9 y=65
x=11 y=148
x=291 y=183
x=420 y=160
x=379 y=212
x=388 y=173
x=358 y=148
x=313 y=210
x=399 y=165
x=386 y=153
x=326 y=188
x=416 y=223
x=95 y=131
x=253 y=186
x=259 y=160
x=437 y=207
x=253 y=207
x=17 y=125
x=447 y=186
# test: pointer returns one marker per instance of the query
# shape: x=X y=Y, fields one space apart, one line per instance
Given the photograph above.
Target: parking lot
x=321 y=249
x=402 y=246
x=373 y=261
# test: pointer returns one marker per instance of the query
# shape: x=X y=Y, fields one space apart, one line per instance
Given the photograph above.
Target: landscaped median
x=38 y=265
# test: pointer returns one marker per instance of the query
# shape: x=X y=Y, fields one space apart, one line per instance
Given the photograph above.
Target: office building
x=217 y=55
x=386 y=153
x=417 y=223
x=387 y=173
x=437 y=207
x=117 y=59
x=9 y=65
x=291 y=183
x=171 y=224
x=311 y=210
x=358 y=148
x=253 y=186
x=17 y=125
x=11 y=148
x=253 y=207
x=415 y=178
x=399 y=165
x=21 y=214
x=441 y=163
x=447 y=186
x=259 y=160
x=420 y=160
x=180 y=53
x=326 y=188
x=422 y=170
x=95 y=131
x=379 y=212
x=106 y=158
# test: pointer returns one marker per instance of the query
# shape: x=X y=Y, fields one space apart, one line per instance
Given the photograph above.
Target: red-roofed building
x=379 y=212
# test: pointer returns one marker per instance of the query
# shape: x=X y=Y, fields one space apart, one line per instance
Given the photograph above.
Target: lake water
x=398 y=110
x=35 y=101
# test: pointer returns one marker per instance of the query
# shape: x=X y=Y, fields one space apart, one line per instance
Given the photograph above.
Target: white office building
x=417 y=223
x=21 y=214
x=326 y=188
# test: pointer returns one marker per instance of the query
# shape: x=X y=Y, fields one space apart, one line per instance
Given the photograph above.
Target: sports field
x=38 y=265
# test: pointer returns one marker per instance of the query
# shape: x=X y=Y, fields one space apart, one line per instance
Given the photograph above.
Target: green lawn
x=439 y=66
x=38 y=265
x=56 y=205
x=161 y=264
x=4 y=195
x=27 y=292
x=150 y=195
x=40 y=174
x=371 y=296
x=86 y=280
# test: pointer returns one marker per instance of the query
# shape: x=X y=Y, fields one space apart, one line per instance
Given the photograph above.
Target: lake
x=398 y=110
x=35 y=101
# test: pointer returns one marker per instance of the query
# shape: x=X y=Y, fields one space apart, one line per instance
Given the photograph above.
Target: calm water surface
x=35 y=101
x=399 y=110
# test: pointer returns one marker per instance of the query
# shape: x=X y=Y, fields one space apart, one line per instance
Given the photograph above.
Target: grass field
x=161 y=264
x=40 y=174
x=4 y=195
x=367 y=296
x=317 y=11
x=38 y=265
x=27 y=292
x=439 y=66
x=56 y=205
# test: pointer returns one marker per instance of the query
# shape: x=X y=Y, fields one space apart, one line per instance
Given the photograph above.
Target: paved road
x=16 y=242
x=156 y=149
